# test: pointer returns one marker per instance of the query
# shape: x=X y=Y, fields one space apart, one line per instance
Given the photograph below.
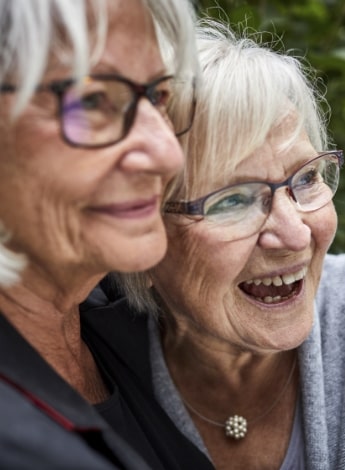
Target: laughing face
x=256 y=293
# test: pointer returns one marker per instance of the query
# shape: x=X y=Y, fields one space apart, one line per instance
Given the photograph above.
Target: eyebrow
x=107 y=68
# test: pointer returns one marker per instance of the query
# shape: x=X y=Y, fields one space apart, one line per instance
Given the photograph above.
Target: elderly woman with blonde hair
x=244 y=348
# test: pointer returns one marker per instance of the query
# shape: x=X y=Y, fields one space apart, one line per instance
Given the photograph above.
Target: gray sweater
x=322 y=363
x=322 y=368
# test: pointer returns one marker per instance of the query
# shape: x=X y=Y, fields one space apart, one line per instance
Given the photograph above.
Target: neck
x=206 y=371
x=49 y=320
x=220 y=381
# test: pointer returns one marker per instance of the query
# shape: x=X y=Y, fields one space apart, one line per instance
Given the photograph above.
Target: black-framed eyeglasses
x=99 y=110
x=245 y=207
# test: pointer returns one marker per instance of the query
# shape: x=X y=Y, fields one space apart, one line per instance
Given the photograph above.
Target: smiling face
x=256 y=293
x=80 y=212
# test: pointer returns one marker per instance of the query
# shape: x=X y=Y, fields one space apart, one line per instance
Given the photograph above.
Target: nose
x=152 y=144
x=285 y=227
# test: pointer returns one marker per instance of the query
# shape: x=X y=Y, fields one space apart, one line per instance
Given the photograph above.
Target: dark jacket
x=119 y=342
x=44 y=423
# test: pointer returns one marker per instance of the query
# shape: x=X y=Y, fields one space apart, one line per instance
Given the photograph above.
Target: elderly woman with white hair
x=244 y=361
x=88 y=145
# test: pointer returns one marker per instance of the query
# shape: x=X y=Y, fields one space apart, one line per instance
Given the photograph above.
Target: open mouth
x=273 y=290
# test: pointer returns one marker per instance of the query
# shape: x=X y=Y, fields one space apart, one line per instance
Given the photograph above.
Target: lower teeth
x=271 y=300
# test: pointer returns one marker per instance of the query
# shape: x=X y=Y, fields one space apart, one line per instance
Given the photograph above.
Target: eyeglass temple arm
x=340 y=155
x=182 y=207
x=174 y=207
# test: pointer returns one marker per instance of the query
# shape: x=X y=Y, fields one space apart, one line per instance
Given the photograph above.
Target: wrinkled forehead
x=223 y=155
x=131 y=41
x=121 y=26
x=128 y=15
x=284 y=151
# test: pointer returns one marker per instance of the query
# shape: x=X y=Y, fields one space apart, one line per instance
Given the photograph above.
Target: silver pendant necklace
x=236 y=426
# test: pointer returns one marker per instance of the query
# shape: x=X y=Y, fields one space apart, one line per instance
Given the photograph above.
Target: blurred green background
x=314 y=29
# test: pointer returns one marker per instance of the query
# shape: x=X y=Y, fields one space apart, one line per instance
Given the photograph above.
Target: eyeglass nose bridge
x=142 y=91
x=287 y=184
x=139 y=91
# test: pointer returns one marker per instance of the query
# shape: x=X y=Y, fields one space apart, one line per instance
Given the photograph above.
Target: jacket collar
x=23 y=368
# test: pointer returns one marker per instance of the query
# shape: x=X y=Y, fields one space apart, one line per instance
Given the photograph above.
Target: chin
x=290 y=338
x=137 y=254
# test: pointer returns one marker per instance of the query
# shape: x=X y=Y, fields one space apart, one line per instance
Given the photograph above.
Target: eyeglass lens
x=245 y=207
x=100 y=112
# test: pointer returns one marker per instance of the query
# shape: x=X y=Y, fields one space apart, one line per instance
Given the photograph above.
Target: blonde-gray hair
x=246 y=90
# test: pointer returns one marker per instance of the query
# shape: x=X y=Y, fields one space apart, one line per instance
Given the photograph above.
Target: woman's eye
x=95 y=102
x=231 y=203
x=308 y=178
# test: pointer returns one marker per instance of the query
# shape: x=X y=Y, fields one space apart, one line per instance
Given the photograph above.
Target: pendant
x=236 y=427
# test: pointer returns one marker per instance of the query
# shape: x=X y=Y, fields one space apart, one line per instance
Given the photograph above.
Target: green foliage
x=313 y=29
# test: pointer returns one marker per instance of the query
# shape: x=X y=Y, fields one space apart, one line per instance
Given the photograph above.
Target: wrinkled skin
x=52 y=195
x=200 y=276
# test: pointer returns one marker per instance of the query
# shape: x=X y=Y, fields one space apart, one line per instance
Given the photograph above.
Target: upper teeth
x=279 y=280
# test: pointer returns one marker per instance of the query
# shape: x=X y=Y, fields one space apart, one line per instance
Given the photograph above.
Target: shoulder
x=118 y=336
x=333 y=264
x=330 y=307
x=29 y=439
x=331 y=291
x=113 y=320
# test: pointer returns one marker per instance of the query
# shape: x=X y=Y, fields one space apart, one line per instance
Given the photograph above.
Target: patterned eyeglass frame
x=196 y=207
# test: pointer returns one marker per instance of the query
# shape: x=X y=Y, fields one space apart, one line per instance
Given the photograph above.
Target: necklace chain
x=236 y=426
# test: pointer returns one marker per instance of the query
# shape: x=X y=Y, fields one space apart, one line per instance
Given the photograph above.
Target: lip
x=135 y=209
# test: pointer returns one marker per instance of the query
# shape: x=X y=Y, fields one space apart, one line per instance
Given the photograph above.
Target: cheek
x=37 y=187
x=180 y=260
x=324 y=227
x=202 y=267
x=323 y=231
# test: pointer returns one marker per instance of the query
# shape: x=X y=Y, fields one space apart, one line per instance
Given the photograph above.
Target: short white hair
x=33 y=31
